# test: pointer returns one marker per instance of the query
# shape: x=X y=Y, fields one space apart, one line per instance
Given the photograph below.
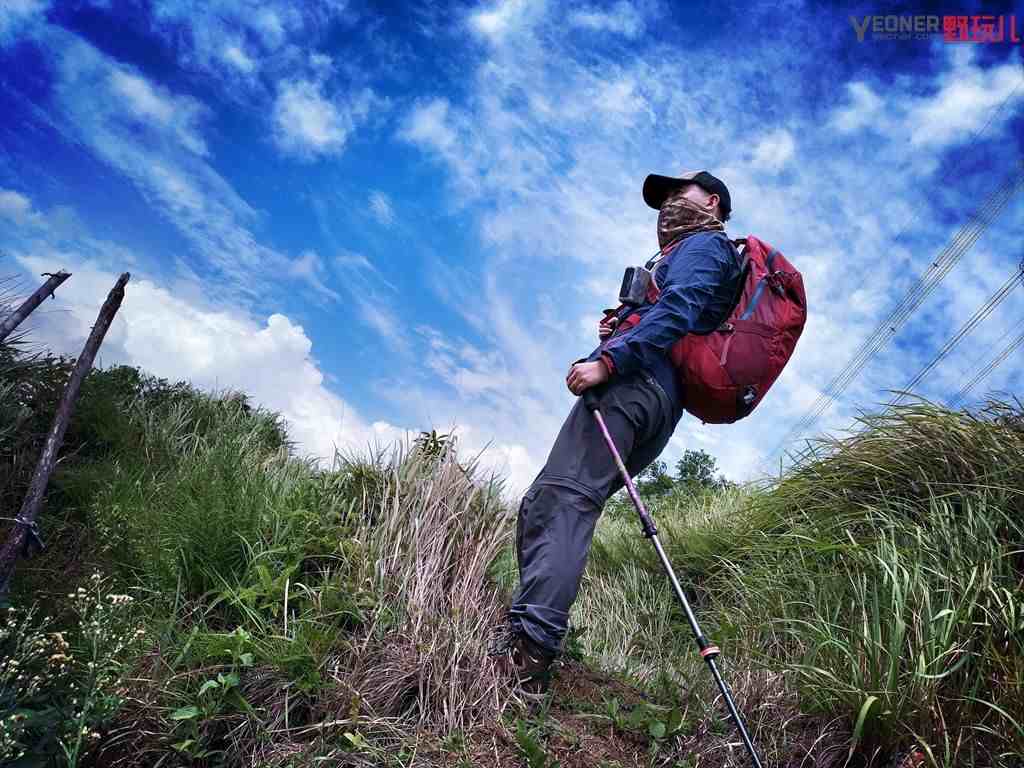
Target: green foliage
x=218 y=694
x=530 y=745
x=57 y=693
x=434 y=445
x=655 y=721
x=696 y=469
x=654 y=480
x=694 y=472
x=877 y=584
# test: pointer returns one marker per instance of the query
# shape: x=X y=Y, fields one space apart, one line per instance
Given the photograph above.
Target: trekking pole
x=707 y=650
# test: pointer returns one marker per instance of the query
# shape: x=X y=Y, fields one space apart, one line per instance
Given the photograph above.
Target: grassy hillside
x=207 y=598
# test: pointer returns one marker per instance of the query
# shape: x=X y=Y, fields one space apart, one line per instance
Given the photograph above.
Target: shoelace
x=501 y=639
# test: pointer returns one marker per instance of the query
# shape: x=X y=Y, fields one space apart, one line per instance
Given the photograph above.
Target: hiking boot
x=518 y=657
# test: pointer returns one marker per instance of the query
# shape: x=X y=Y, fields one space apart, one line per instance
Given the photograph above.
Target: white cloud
x=966 y=98
x=622 y=19
x=557 y=168
x=863 y=109
x=235 y=55
x=427 y=125
x=963 y=99
x=269 y=359
x=503 y=17
x=774 y=151
x=17 y=14
x=308 y=124
x=269 y=24
x=179 y=115
x=122 y=119
x=17 y=207
x=382 y=209
x=309 y=267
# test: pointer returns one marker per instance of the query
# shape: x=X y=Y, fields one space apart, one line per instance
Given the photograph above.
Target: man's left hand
x=583 y=376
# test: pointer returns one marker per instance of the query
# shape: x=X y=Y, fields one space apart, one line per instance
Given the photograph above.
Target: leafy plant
x=531 y=747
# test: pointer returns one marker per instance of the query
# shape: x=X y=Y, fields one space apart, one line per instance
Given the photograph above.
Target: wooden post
x=25 y=523
x=14 y=319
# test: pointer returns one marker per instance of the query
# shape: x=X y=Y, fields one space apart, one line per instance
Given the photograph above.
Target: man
x=641 y=402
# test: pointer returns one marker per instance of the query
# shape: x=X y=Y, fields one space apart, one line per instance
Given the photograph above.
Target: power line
x=986 y=309
x=992 y=365
x=975 y=136
x=936 y=272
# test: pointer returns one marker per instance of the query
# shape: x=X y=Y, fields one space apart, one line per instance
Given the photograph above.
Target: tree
x=697 y=469
x=654 y=480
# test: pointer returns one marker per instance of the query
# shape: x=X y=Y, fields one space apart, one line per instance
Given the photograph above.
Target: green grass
x=868 y=603
x=882 y=578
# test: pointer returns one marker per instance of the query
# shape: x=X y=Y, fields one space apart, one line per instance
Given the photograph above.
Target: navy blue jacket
x=698 y=284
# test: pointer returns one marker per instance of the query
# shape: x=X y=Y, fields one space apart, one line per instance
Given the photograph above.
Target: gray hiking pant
x=558 y=512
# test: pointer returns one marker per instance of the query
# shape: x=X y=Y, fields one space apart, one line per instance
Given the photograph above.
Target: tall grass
x=869 y=602
x=882 y=579
x=430 y=539
x=353 y=600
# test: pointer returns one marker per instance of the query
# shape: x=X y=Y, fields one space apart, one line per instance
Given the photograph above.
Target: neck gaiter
x=680 y=217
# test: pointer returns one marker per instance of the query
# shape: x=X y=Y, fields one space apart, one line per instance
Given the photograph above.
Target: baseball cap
x=657 y=188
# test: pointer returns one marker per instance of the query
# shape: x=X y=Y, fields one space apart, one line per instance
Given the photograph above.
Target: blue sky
x=381 y=218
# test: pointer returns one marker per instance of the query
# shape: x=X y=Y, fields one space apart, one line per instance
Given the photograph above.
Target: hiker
x=641 y=401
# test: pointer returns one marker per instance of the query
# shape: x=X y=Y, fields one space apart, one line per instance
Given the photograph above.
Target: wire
x=980 y=375
x=986 y=309
x=926 y=284
x=868 y=349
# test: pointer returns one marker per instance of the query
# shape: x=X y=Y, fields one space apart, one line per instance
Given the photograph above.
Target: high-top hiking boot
x=521 y=659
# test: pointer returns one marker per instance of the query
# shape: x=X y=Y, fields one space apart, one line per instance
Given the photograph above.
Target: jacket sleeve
x=693 y=277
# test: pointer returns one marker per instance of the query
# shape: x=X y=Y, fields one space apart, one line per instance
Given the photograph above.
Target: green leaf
x=858 y=729
x=675 y=720
x=185 y=713
x=207 y=686
x=656 y=728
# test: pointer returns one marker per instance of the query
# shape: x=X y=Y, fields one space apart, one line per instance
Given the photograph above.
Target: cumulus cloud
x=503 y=17
x=309 y=124
x=270 y=359
x=774 y=151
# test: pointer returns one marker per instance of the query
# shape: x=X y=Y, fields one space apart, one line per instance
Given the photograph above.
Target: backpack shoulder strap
x=741 y=281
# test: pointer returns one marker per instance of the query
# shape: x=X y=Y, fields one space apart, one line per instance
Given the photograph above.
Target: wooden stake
x=25 y=523
x=14 y=319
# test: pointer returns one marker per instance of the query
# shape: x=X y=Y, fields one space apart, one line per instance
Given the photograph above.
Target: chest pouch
x=636 y=282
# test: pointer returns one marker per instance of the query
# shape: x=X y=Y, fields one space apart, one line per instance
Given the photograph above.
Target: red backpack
x=728 y=371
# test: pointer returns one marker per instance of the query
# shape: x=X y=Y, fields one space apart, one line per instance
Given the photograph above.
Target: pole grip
x=590 y=399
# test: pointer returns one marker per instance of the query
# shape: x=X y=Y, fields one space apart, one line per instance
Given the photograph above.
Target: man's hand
x=583 y=376
x=606 y=325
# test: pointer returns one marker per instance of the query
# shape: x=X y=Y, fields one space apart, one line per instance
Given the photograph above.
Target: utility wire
x=864 y=349
x=992 y=365
x=986 y=309
x=926 y=284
